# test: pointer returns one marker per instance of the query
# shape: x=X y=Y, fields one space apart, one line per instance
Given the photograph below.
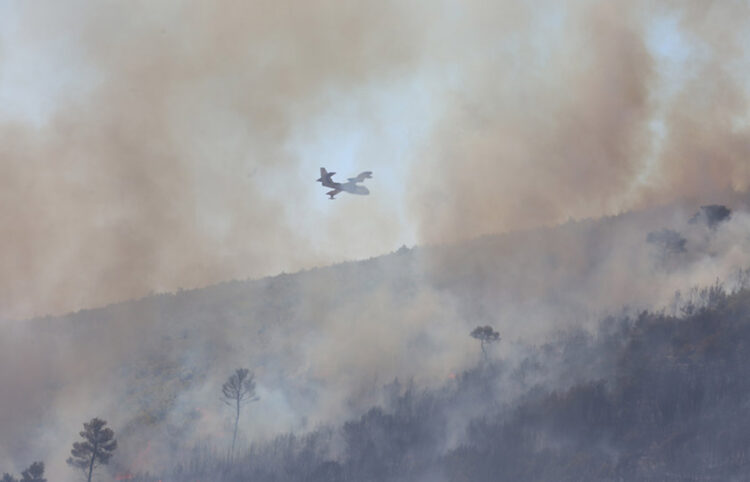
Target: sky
x=155 y=146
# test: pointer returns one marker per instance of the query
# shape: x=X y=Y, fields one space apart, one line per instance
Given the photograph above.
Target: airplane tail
x=325 y=176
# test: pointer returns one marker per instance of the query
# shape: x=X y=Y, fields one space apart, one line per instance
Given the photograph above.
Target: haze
x=151 y=146
x=541 y=168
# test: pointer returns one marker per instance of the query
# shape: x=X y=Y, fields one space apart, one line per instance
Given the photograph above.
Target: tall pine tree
x=238 y=389
x=95 y=450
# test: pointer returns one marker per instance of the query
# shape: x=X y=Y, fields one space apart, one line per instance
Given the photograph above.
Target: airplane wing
x=333 y=193
x=361 y=177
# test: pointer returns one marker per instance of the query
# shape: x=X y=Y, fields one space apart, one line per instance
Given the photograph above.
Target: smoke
x=166 y=156
x=156 y=170
x=324 y=342
x=596 y=108
x=169 y=163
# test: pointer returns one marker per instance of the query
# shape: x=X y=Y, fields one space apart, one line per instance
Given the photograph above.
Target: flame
x=138 y=462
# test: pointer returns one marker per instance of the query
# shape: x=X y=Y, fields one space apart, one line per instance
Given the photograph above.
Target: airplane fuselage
x=352 y=186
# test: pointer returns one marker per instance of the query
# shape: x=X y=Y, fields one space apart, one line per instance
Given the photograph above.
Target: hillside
x=671 y=408
x=323 y=343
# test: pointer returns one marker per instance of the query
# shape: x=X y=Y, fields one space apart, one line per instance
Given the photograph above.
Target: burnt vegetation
x=671 y=407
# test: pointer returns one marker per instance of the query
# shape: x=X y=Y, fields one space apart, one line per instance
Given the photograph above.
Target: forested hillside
x=673 y=408
x=610 y=362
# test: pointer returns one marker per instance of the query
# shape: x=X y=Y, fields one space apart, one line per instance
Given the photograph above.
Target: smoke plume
x=167 y=158
x=153 y=171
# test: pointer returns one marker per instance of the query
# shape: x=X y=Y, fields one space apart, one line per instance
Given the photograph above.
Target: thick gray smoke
x=153 y=172
x=588 y=109
x=162 y=169
x=167 y=161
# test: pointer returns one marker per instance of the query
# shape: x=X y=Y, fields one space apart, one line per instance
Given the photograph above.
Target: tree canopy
x=485 y=334
x=97 y=448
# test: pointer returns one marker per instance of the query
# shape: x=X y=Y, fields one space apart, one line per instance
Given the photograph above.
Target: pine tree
x=35 y=473
x=237 y=390
x=96 y=450
x=485 y=334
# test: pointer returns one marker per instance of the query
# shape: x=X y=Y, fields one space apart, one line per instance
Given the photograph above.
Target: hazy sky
x=148 y=146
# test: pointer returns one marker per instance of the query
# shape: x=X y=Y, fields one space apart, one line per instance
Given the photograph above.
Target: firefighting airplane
x=350 y=186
